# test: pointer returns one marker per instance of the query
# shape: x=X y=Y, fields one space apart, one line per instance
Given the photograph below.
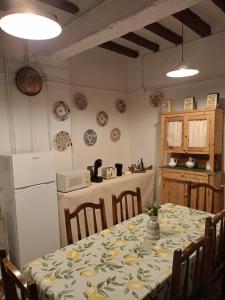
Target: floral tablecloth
x=120 y=262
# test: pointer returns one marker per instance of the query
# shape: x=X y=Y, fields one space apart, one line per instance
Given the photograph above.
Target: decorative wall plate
x=115 y=135
x=80 y=101
x=61 y=110
x=90 y=137
x=121 y=105
x=102 y=118
x=155 y=98
x=62 y=141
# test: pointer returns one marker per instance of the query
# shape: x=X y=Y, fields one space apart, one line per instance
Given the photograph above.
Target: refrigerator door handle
x=34 y=186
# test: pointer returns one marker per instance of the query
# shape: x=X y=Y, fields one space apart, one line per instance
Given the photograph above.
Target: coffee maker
x=94 y=171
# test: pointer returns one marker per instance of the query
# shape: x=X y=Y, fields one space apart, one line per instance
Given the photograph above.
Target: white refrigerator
x=28 y=197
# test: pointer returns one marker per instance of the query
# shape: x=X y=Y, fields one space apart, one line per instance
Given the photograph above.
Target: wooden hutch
x=196 y=133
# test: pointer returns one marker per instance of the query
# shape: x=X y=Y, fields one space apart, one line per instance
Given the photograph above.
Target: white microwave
x=72 y=180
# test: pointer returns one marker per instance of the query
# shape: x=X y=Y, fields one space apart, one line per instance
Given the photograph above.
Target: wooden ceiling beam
x=5 y=5
x=139 y=40
x=194 y=22
x=220 y=4
x=164 y=33
x=112 y=46
x=63 y=5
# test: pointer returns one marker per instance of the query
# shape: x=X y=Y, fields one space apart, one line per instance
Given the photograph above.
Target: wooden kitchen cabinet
x=173 y=191
x=173 y=134
x=174 y=187
x=197 y=133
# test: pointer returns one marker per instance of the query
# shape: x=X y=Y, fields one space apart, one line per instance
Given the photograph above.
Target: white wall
x=31 y=126
x=102 y=77
x=206 y=54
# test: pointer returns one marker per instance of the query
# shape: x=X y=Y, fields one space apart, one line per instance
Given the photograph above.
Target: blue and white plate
x=90 y=137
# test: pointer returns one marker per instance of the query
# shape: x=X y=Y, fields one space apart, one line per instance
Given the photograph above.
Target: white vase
x=172 y=162
x=153 y=229
x=190 y=163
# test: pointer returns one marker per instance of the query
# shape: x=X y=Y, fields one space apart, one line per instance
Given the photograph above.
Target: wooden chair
x=75 y=214
x=124 y=196
x=206 y=192
x=16 y=286
x=215 y=229
x=181 y=287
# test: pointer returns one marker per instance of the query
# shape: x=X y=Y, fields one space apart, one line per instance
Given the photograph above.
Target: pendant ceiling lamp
x=183 y=70
x=30 y=25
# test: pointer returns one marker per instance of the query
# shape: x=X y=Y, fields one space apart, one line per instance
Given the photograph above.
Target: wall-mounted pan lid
x=28 y=81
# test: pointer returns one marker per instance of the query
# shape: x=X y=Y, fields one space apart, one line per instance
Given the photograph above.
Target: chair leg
x=223 y=286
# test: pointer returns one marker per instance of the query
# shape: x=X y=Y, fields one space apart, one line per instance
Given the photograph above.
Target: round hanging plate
x=102 y=118
x=90 y=137
x=121 y=105
x=115 y=135
x=80 y=101
x=62 y=141
x=155 y=98
x=61 y=110
x=29 y=81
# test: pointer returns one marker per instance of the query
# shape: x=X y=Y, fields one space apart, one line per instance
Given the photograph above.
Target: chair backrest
x=16 y=286
x=204 y=196
x=75 y=214
x=122 y=200
x=215 y=229
x=189 y=273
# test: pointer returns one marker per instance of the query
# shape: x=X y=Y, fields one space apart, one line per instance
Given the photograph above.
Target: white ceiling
x=99 y=21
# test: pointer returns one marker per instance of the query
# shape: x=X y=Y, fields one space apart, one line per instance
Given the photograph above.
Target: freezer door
x=37 y=222
x=33 y=168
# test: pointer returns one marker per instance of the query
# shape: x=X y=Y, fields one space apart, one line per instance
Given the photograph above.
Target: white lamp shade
x=183 y=71
x=30 y=26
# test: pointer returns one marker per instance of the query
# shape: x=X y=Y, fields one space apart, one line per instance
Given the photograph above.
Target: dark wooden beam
x=62 y=4
x=165 y=33
x=5 y=5
x=119 y=49
x=194 y=22
x=220 y=4
x=139 y=40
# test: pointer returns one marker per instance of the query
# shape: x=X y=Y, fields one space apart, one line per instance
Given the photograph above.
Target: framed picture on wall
x=190 y=103
x=213 y=100
x=167 y=105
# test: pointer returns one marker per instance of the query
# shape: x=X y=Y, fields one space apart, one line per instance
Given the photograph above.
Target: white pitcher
x=208 y=167
x=191 y=162
x=172 y=162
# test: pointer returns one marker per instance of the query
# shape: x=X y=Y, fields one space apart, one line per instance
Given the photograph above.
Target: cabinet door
x=197 y=134
x=174 y=131
x=173 y=191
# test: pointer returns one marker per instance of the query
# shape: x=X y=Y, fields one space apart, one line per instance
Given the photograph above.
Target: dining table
x=120 y=262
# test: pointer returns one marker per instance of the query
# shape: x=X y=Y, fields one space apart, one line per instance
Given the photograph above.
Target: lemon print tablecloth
x=120 y=262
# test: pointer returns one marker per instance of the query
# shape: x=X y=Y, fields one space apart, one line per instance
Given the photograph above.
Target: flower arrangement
x=152 y=209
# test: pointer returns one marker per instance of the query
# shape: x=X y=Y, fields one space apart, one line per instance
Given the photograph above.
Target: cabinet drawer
x=185 y=176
